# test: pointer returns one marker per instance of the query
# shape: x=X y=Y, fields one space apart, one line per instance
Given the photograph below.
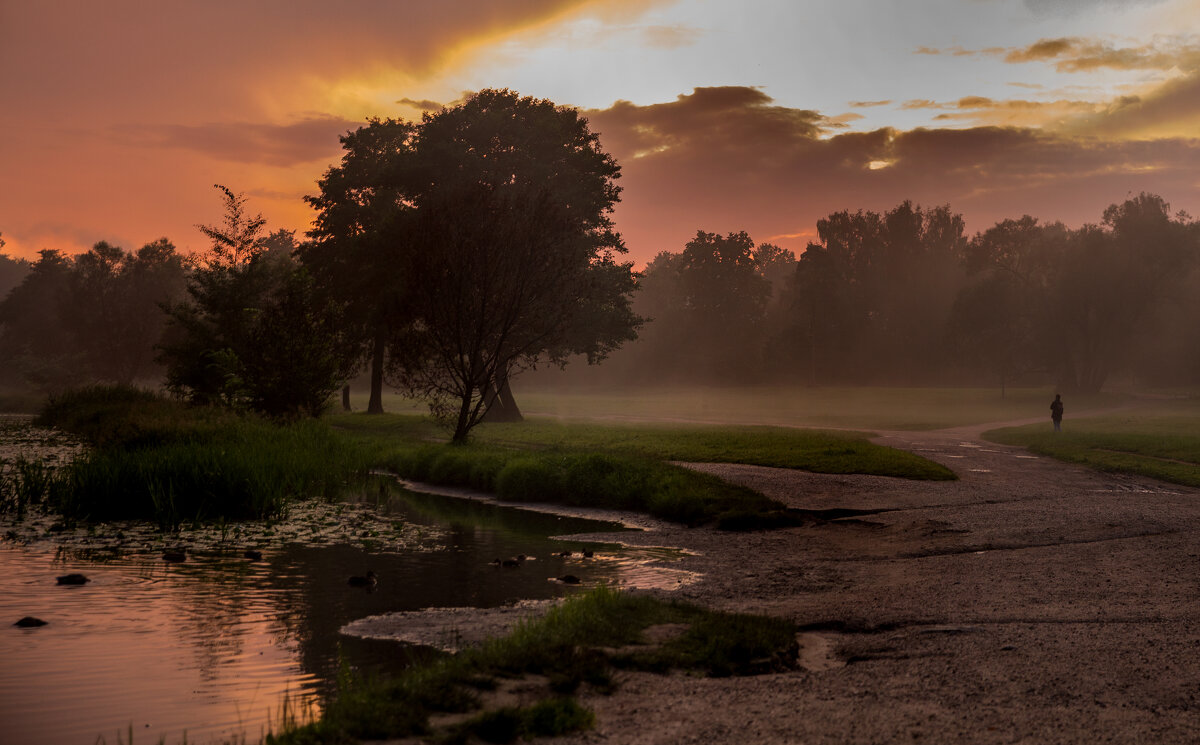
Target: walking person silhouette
x=1056 y=412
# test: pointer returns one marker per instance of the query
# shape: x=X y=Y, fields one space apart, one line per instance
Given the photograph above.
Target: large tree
x=517 y=254
x=360 y=253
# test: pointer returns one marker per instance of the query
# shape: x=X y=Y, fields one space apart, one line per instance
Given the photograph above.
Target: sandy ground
x=1029 y=602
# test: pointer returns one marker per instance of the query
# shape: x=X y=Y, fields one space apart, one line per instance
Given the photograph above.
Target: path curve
x=1029 y=601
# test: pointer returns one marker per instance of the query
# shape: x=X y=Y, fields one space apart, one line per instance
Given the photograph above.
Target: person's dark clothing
x=1056 y=413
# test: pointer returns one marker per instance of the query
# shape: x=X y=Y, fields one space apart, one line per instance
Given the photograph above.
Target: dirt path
x=1030 y=601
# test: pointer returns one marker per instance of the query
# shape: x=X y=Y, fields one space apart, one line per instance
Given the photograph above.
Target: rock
x=569 y=579
x=29 y=622
x=174 y=556
x=73 y=579
x=252 y=555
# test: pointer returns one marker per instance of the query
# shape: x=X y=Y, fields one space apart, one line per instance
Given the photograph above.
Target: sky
x=118 y=117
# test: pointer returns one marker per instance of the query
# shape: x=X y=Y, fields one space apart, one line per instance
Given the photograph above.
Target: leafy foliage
x=251 y=314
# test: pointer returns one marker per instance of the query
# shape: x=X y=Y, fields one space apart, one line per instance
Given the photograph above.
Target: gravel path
x=1030 y=601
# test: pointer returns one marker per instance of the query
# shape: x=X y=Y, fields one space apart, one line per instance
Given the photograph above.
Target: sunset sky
x=118 y=116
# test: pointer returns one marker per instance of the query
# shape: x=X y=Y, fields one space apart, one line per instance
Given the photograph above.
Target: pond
x=210 y=647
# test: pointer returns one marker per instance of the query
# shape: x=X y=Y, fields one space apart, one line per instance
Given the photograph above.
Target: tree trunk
x=376 y=404
x=503 y=407
x=462 y=426
x=346 y=398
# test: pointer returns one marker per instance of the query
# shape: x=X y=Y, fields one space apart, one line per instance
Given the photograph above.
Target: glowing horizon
x=762 y=117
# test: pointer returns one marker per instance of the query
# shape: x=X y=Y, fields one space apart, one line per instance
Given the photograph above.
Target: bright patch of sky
x=827 y=55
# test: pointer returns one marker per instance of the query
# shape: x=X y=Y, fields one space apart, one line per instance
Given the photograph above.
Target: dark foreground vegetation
x=579 y=643
x=157 y=459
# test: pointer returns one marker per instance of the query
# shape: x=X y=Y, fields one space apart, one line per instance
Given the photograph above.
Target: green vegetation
x=577 y=643
x=624 y=466
x=158 y=459
x=1160 y=442
x=859 y=408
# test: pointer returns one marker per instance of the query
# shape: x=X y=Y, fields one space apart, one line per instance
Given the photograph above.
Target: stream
x=217 y=646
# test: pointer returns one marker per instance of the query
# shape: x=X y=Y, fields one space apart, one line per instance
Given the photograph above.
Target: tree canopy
x=517 y=251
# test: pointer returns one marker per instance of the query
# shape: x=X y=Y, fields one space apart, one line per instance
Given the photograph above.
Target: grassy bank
x=579 y=643
x=157 y=459
x=626 y=466
x=1161 y=441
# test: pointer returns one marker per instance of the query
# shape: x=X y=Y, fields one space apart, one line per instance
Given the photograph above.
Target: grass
x=155 y=458
x=577 y=643
x=625 y=467
x=1161 y=441
x=158 y=459
x=856 y=408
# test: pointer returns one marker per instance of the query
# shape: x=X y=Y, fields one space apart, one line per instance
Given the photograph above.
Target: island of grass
x=159 y=459
x=1158 y=440
x=626 y=467
x=579 y=643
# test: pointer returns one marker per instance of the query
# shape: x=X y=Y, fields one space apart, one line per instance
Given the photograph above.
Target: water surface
x=213 y=645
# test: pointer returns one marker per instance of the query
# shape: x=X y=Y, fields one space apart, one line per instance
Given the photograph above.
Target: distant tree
x=12 y=271
x=34 y=341
x=871 y=297
x=513 y=203
x=1094 y=288
x=114 y=311
x=360 y=254
x=713 y=310
x=253 y=332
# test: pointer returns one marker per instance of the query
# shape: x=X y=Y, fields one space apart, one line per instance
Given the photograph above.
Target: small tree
x=253 y=332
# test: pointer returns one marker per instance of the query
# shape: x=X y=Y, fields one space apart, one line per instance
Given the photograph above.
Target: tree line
x=907 y=297
x=447 y=256
x=451 y=254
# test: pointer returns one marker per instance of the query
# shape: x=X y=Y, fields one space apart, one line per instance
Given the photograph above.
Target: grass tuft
x=572 y=645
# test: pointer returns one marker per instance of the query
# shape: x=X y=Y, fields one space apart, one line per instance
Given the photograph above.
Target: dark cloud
x=242 y=142
x=421 y=105
x=1074 y=54
x=729 y=159
x=129 y=59
x=1042 y=50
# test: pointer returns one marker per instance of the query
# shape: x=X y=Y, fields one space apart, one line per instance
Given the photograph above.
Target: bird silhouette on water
x=367 y=580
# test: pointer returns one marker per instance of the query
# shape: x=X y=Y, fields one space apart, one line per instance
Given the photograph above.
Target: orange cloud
x=119 y=116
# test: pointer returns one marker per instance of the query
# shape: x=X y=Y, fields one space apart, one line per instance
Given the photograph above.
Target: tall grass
x=158 y=459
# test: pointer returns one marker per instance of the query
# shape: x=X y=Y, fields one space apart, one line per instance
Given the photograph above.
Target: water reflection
x=211 y=645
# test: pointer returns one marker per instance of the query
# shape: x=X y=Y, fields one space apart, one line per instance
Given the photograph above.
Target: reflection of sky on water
x=212 y=645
